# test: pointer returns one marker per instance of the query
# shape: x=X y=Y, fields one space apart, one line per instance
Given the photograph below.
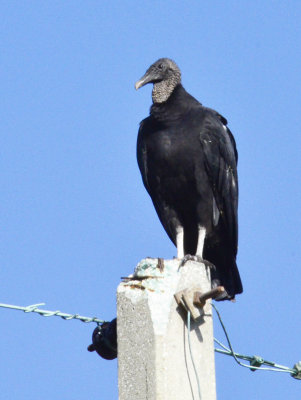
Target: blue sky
x=75 y=216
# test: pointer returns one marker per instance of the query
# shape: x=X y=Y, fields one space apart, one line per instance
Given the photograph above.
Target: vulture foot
x=189 y=257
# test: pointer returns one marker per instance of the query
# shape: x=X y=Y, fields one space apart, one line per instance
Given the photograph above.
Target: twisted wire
x=47 y=313
x=256 y=362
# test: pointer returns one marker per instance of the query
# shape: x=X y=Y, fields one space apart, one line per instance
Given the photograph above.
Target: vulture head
x=165 y=75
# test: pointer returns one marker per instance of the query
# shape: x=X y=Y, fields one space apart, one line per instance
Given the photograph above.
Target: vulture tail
x=226 y=272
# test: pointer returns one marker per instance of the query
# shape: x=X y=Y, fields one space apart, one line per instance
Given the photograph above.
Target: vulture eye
x=160 y=66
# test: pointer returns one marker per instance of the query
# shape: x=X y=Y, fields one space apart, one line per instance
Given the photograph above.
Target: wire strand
x=255 y=361
x=47 y=313
x=191 y=356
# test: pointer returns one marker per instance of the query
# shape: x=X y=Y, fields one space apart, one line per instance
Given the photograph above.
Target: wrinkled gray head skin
x=165 y=76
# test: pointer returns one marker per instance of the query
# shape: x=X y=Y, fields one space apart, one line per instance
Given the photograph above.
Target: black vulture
x=188 y=161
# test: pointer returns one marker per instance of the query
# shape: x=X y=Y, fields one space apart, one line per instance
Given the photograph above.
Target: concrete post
x=154 y=361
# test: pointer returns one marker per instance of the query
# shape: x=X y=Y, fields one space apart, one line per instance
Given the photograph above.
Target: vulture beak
x=147 y=78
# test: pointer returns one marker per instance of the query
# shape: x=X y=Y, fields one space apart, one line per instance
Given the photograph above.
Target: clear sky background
x=75 y=216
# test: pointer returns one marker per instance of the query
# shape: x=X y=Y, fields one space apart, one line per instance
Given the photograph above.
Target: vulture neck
x=163 y=89
x=177 y=103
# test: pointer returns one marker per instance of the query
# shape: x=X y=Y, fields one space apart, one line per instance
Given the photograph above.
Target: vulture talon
x=189 y=257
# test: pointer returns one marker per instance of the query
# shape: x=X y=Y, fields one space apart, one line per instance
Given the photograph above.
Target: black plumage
x=188 y=158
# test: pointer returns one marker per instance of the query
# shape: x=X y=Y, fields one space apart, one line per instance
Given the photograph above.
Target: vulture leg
x=201 y=240
x=199 y=251
x=180 y=241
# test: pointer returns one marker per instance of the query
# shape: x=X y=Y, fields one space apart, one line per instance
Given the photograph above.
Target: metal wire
x=191 y=356
x=47 y=313
x=255 y=361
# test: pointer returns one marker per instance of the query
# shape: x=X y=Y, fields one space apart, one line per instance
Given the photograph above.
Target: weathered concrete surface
x=153 y=356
